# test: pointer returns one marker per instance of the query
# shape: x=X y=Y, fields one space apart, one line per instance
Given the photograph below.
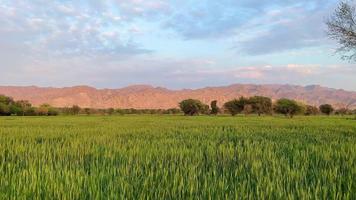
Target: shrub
x=42 y=110
x=4 y=109
x=261 y=105
x=193 y=107
x=326 y=109
x=52 y=111
x=30 y=112
x=236 y=106
x=311 y=110
x=75 y=109
x=6 y=100
x=287 y=107
x=16 y=110
x=248 y=109
x=214 y=108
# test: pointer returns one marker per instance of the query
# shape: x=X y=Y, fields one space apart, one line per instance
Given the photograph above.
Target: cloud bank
x=168 y=42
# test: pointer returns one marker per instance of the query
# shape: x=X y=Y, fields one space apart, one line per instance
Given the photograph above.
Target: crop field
x=177 y=157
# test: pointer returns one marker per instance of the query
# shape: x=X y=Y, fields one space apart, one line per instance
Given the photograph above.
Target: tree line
x=8 y=107
x=258 y=105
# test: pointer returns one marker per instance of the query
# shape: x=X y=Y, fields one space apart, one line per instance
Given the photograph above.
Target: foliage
x=288 y=107
x=193 y=107
x=4 y=109
x=326 y=109
x=25 y=108
x=248 y=109
x=6 y=100
x=214 y=107
x=311 y=110
x=342 y=28
x=42 y=110
x=10 y=107
x=236 y=106
x=261 y=105
x=75 y=109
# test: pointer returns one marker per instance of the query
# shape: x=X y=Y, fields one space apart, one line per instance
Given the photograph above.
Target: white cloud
x=63 y=43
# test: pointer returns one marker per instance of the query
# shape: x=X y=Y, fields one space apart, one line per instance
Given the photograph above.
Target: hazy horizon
x=170 y=88
x=172 y=44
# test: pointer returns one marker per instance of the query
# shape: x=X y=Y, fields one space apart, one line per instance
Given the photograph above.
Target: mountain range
x=145 y=96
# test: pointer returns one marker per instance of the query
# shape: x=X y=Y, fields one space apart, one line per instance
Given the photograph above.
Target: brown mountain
x=143 y=96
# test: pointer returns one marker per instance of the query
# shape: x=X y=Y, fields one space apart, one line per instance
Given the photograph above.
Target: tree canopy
x=214 y=108
x=326 y=109
x=287 y=107
x=236 y=106
x=342 y=28
x=193 y=107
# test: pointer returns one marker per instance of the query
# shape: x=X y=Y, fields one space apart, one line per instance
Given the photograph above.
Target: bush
x=287 y=107
x=236 y=106
x=214 y=108
x=75 y=109
x=326 y=109
x=52 y=112
x=30 y=112
x=193 y=107
x=42 y=110
x=311 y=110
x=261 y=105
x=172 y=111
x=4 y=109
x=248 y=109
x=6 y=100
x=16 y=110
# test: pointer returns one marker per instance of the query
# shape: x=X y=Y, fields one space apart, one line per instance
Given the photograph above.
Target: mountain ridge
x=148 y=96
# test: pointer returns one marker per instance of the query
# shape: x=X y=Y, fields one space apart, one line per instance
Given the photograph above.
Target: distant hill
x=144 y=96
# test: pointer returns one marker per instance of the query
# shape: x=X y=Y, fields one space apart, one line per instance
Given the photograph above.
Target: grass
x=176 y=157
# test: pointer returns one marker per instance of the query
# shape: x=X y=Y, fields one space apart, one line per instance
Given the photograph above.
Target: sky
x=169 y=43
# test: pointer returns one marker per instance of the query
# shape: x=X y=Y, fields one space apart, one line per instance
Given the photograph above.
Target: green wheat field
x=177 y=157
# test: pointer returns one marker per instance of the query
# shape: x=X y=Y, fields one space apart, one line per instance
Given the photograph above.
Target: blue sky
x=174 y=44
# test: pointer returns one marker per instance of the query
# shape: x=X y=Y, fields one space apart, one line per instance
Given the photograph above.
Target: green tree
x=236 y=106
x=16 y=110
x=287 y=107
x=4 y=109
x=6 y=100
x=192 y=107
x=326 y=109
x=214 y=108
x=25 y=107
x=52 y=111
x=30 y=112
x=261 y=105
